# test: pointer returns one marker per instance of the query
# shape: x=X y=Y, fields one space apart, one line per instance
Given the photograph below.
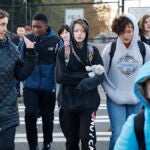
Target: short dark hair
x=3 y=14
x=41 y=17
x=62 y=28
x=119 y=24
x=20 y=26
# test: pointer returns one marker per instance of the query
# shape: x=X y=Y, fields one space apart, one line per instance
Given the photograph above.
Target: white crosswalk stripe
x=59 y=137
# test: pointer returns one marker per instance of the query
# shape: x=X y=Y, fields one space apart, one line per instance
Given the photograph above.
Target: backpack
x=113 y=48
x=68 y=49
x=139 y=129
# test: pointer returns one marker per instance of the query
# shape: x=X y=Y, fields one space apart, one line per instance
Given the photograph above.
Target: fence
x=98 y=14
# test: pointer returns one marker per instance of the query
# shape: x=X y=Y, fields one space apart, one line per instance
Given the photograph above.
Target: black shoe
x=34 y=148
x=46 y=147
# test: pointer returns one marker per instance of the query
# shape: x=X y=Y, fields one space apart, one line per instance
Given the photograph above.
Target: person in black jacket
x=39 y=91
x=11 y=67
x=20 y=33
x=79 y=70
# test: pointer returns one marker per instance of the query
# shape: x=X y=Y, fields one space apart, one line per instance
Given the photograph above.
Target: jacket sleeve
x=24 y=68
x=127 y=139
x=63 y=74
x=89 y=84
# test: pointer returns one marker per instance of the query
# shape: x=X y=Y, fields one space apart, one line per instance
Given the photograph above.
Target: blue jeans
x=118 y=114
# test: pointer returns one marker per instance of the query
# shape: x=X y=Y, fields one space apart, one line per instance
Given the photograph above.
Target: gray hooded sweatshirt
x=118 y=83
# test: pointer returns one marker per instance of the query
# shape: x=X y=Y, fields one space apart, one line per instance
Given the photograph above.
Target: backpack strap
x=139 y=129
x=67 y=53
x=68 y=48
x=111 y=53
x=90 y=54
x=113 y=48
x=142 y=50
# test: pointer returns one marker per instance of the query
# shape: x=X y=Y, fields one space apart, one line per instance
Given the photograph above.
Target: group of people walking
x=43 y=59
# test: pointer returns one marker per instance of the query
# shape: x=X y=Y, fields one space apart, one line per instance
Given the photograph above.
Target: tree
x=57 y=14
x=19 y=11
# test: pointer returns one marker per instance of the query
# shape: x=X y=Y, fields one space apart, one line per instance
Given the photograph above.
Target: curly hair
x=119 y=24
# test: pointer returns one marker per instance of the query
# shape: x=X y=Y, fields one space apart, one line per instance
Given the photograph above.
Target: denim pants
x=7 y=138
x=118 y=114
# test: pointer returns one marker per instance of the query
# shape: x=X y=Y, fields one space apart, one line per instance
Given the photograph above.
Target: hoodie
x=118 y=83
x=127 y=139
x=78 y=91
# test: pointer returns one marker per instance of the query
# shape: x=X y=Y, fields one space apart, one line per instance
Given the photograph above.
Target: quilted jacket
x=11 y=67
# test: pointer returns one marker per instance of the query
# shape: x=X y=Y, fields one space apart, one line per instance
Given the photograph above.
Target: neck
x=127 y=45
x=147 y=35
x=80 y=45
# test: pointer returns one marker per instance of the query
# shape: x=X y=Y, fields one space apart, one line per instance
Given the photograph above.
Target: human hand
x=29 y=44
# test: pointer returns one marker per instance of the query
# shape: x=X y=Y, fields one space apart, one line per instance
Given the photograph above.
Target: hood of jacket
x=142 y=76
x=72 y=39
x=50 y=33
x=136 y=31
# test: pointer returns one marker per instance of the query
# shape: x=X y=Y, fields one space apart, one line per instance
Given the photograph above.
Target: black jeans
x=78 y=126
x=35 y=100
x=7 y=138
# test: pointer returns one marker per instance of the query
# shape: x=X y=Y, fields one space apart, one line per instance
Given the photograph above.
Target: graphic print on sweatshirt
x=127 y=65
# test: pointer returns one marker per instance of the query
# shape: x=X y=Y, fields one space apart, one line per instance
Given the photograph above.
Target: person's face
x=20 y=31
x=65 y=35
x=147 y=25
x=147 y=86
x=79 y=33
x=39 y=27
x=127 y=35
x=3 y=27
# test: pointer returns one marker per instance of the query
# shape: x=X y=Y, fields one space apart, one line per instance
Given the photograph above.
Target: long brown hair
x=141 y=24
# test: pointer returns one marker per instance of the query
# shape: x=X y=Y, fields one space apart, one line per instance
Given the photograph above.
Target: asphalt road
x=102 y=123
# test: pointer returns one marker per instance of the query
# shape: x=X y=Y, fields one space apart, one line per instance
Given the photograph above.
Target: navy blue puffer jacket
x=12 y=67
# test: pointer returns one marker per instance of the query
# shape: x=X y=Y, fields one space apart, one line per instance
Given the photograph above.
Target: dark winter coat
x=78 y=92
x=16 y=40
x=12 y=67
x=43 y=75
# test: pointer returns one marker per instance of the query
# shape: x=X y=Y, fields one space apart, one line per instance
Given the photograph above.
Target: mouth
x=2 y=34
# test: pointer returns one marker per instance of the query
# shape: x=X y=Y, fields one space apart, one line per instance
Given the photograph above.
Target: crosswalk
x=58 y=135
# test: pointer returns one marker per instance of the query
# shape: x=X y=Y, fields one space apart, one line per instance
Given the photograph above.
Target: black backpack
x=139 y=129
x=113 y=48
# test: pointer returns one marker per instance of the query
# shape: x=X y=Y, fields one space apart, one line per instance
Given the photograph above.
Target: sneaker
x=46 y=147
